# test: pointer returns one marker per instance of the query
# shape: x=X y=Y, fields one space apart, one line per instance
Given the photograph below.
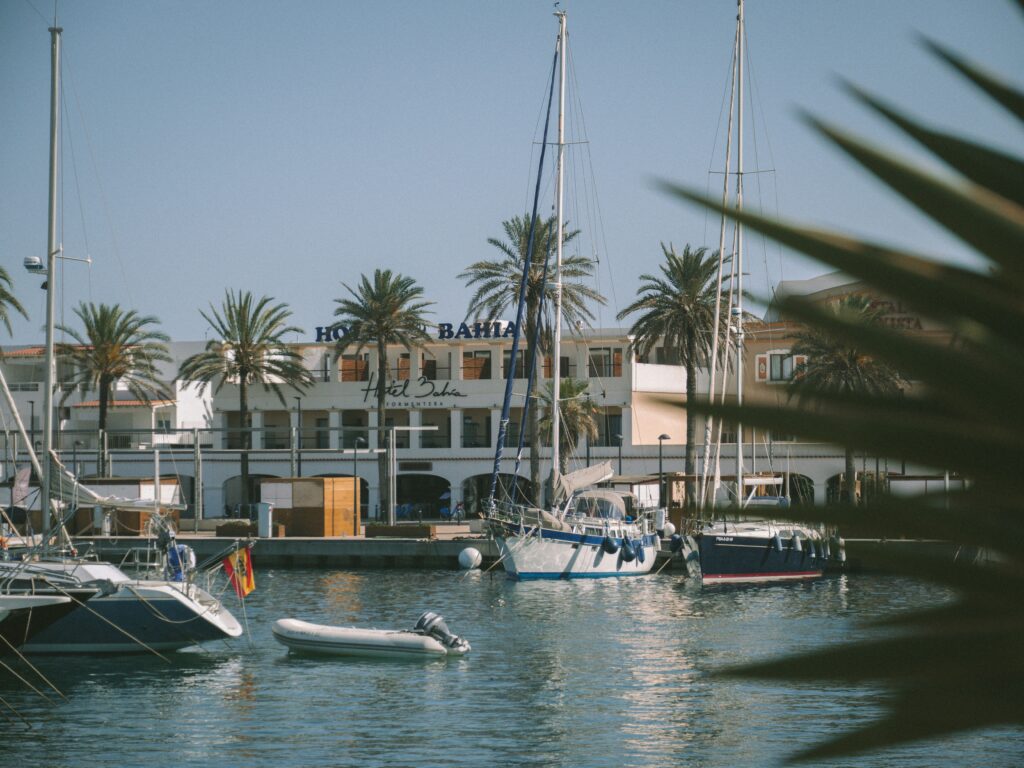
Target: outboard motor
x=432 y=624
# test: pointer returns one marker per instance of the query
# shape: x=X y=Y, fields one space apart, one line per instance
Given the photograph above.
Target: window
x=778 y=366
x=476 y=364
x=521 y=360
x=355 y=367
x=605 y=362
x=666 y=356
x=163 y=425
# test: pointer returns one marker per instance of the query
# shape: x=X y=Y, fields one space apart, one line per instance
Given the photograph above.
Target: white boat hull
x=135 y=616
x=352 y=641
x=531 y=553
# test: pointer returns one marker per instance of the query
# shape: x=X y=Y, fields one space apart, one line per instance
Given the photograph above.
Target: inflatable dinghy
x=429 y=638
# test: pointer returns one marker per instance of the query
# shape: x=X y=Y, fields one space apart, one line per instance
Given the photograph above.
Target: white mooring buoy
x=470 y=558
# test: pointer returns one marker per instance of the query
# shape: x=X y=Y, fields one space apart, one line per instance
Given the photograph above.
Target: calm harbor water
x=590 y=673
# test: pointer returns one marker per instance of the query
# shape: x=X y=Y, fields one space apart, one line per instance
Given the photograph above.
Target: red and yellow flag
x=238 y=566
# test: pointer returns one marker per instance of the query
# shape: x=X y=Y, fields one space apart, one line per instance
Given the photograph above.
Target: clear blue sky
x=285 y=147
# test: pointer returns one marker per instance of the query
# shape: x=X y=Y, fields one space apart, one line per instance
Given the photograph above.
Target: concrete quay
x=439 y=552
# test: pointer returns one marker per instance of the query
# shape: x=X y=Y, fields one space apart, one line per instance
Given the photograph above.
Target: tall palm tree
x=496 y=290
x=678 y=309
x=841 y=366
x=115 y=346
x=577 y=417
x=8 y=301
x=249 y=349
x=389 y=309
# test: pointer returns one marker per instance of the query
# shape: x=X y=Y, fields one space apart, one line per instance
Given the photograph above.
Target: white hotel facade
x=448 y=394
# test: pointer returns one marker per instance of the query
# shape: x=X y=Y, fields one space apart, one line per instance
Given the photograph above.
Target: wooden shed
x=314 y=506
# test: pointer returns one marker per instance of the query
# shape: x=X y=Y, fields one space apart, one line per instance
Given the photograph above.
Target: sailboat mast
x=556 y=367
x=714 y=362
x=52 y=248
x=739 y=252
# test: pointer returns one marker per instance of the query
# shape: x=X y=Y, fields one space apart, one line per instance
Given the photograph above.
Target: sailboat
x=125 y=614
x=755 y=547
x=587 y=531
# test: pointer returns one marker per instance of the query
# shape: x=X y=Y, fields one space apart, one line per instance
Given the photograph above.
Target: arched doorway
x=422 y=497
x=477 y=488
x=233 y=492
x=801 y=490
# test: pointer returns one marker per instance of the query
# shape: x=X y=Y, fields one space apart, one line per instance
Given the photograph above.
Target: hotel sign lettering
x=421 y=393
x=492 y=329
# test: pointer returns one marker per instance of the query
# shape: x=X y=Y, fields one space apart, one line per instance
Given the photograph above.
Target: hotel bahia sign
x=491 y=329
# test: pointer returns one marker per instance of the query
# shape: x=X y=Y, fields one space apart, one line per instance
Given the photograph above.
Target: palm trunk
x=691 y=395
x=246 y=421
x=104 y=394
x=383 y=465
x=847 y=494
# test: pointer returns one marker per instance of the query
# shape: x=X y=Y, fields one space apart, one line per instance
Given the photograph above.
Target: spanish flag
x=238 y=566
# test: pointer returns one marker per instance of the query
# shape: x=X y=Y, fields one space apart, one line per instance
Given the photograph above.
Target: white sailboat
x=587 y=532
x=128 y=615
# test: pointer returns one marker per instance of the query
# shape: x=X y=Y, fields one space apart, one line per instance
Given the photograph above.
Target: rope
x=21 y=656
x=124 y=632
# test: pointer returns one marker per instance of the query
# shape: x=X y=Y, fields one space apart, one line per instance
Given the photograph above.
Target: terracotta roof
x=125 y=404
x=25 y=352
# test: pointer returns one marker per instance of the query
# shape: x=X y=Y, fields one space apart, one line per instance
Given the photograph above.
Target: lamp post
x=298 y=436
x=661 y=474
x=74 y=457
x=355 y=466
x=618 y=440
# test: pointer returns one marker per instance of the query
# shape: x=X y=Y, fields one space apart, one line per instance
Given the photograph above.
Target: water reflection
x=590 y=673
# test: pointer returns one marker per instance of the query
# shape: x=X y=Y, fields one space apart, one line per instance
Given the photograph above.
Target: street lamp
x=74 y=457
x=298 y=436
x=661 y=474
x=618 y=439
x=355 y=468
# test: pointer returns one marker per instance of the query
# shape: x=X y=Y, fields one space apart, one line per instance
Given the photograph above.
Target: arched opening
x=233 y=493
x=422 y=497
x=801 y=490
x=477 y=488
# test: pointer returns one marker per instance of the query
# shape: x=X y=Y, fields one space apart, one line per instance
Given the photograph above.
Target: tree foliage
x=495 y=285
x=957 y=666
x=380 y=311
x=249 y=348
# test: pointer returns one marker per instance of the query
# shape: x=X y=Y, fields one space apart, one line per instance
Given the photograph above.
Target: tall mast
x=703 y=493
x=52 y=249
x=739 y=252
x=556 y=366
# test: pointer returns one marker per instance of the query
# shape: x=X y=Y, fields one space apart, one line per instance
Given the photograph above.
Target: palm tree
x=249 y=349
x=841 y=366
x=496 y=290
x=678 y=309
x=385 y=310
x=115 y=346
x=8 y=300
x=956 y=666
x=577 y=417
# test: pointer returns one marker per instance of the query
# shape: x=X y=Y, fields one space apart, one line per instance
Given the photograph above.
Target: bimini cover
x=583 y=478
x=601 y=503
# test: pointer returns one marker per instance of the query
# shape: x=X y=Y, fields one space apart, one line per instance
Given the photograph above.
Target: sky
x=287 y=148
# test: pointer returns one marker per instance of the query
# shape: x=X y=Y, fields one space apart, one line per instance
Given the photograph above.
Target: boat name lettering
x=723 y=538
